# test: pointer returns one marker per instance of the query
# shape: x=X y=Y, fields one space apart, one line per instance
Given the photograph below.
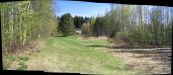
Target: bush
x=86 y=29
x=122 y=35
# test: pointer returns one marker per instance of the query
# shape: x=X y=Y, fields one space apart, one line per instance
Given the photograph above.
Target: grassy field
x=70 y=54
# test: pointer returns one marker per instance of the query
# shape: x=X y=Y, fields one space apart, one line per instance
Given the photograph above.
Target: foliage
x=78 y=21
x=98 y=27
x=23 y=21
x=86 y=29
x=66 y=25
x=137 y=23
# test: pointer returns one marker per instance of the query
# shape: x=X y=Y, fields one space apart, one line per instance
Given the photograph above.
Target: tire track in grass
x=69 y=54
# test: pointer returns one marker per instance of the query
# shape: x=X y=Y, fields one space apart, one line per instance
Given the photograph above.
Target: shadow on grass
x=103 y=46
x=142 y=47
x=121 y=47
x=58 y=36
x=159 y=55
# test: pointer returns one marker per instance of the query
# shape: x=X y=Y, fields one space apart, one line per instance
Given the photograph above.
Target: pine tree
x=66 y=25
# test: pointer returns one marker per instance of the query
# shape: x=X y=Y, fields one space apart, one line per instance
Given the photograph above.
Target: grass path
x=71 y=54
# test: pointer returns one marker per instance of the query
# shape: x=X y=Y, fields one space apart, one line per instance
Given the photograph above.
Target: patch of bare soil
x=147 y=62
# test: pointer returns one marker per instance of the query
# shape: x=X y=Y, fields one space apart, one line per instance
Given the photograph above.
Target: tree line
x=136 y=24
x=23 y=21
x=68 y=24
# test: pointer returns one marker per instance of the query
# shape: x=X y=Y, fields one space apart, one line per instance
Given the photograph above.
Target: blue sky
x=80 y=8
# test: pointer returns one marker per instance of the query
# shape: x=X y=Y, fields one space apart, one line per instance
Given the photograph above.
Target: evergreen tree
x=66 y=25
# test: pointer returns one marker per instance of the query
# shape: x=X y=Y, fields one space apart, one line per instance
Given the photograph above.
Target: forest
x=23 y=21
x=28 y=24
x=137 y=25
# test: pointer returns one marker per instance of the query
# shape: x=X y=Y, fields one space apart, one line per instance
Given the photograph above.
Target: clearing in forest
x=70 y=54
x=77 y=55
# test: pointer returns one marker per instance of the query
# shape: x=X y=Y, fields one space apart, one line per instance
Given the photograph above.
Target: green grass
x=70 y=54
x=22 y=66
